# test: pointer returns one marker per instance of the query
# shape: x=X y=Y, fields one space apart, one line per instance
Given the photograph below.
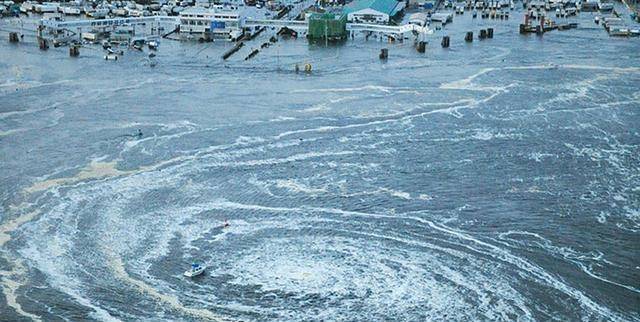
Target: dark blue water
x=498 y=180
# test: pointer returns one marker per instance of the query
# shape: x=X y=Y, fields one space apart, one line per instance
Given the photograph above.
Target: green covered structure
x=327 y=25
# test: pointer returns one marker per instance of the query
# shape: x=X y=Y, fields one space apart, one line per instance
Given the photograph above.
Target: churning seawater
x=498 y=180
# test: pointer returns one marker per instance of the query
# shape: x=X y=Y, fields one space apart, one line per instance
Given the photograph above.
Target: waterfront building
x=373 y=11
x=211 y=23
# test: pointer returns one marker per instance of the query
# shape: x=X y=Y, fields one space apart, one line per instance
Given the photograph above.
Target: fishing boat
x=604 y=5
x=98 y=13
x=195 y=270
x=619 y=31
x=26 y=7
x=71 y=11
x=45 y=7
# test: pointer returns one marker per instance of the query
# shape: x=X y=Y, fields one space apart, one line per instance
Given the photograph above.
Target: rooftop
x=384 y=6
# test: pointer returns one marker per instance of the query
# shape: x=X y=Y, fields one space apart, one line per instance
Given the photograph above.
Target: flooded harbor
x=491 y=179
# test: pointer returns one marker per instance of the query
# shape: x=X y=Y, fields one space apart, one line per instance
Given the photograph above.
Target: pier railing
x=59 y=25
x=246 y=22
x=388 y=29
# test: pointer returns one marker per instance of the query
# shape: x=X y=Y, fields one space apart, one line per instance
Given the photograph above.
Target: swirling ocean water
x=498 y=180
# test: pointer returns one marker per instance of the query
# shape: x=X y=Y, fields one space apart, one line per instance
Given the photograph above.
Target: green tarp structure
x=327 y=25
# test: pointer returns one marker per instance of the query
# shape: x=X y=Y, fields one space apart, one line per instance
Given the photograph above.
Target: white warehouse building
x=220 y=23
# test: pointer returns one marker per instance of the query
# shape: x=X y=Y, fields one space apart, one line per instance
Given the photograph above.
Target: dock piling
x=13 y=37
x=384 y=53
x=469 y=36
x=483 y=34
x=445 y=42
x=74 y=51
x=43 y=44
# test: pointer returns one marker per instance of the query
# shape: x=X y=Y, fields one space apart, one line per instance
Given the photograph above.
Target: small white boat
x=605 y=5
x=71 y=11
x=153 y=44
x=195 y=270
x=26 y=7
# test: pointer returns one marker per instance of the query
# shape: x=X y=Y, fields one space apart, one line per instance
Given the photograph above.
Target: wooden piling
x=483 y=34
x=74 y=51
x=469 y=36
x=13 y=37
x=43 y=44
x=445 y=42
x=384 y=53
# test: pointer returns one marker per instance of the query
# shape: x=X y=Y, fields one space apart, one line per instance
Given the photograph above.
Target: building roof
x=383 y=6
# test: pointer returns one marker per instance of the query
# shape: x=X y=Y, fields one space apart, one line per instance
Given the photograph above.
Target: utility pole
x=326 y=33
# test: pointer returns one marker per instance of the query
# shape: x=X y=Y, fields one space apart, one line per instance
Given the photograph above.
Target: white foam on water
x=501 y=254
x=316 y=108
x=117 y=266
x=306 y=277
x=424 y=196
x=262 y=186
x=54 y=265
x=404 y=116
x=397 y=193
x=534 y=270
x=619 y=197
x=315 y=270
x=14 y=276
x=10 y=86
x=246 y=140
x=383 y=89
x=5 y=115
x=10 y=225
x=282 y=118
x=384 y=191
x=483 y=135
x=337 y=267
x=49 y=254
x=11 y=282
x=540 y=156
x=467 y=83
x=602 y=217
x=294 y=185
x=632 y=215
x=580 y=259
